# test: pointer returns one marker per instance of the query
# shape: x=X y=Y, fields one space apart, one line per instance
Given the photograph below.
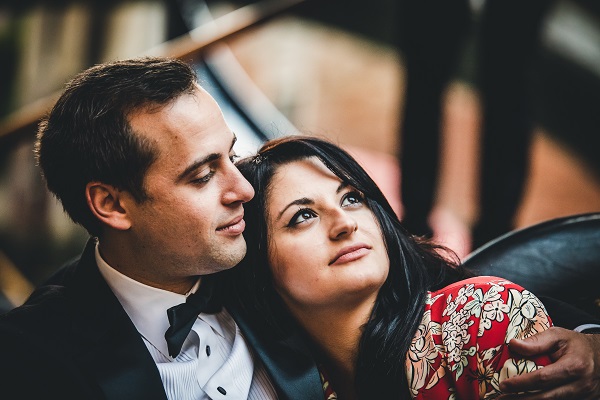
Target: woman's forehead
x=298 y=171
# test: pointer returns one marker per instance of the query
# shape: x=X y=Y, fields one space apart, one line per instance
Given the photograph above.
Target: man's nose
x=239 y=190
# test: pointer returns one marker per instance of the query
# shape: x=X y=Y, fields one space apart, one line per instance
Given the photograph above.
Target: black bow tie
x=183 y=316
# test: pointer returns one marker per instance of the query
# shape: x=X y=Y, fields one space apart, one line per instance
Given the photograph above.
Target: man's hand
x=574 y=373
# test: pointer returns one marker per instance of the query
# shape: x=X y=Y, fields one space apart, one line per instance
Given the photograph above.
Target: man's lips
x=350 y=253
x=235 y=227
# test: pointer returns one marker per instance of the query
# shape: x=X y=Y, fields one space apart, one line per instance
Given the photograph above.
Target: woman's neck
x=337 y=333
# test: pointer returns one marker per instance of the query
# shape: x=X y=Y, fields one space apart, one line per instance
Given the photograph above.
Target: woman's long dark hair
x=416 y=266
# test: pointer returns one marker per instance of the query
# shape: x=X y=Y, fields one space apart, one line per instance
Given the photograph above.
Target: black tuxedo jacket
x=73 y=340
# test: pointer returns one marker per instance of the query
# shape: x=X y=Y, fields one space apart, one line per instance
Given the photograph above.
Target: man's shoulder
x=50 y=304
x=65 y=273
x=47 y=305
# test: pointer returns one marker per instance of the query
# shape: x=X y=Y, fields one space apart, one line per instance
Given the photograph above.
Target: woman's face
x=325 y=246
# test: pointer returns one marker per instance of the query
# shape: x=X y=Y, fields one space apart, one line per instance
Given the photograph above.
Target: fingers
x=546 y=342
x=549 y=377
x=568 y=392
x=573 y=375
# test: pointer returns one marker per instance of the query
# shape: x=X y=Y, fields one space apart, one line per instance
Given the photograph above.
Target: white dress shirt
x=215 y=361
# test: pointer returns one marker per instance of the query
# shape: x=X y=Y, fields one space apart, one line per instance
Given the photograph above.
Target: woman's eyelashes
x=301 y=216
x=352 y=198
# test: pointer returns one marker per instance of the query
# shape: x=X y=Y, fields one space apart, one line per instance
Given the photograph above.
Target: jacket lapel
x=288 y=361
x=111 y=347
x=112 y=350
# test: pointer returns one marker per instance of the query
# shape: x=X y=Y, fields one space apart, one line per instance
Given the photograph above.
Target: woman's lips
x=350 y=253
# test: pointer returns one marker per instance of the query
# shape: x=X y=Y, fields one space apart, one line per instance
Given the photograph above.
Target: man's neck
x=118 y=255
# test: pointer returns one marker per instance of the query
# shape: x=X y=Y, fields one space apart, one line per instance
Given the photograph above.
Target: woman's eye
x=352 y=198
x=233 y=158
x=302 y=216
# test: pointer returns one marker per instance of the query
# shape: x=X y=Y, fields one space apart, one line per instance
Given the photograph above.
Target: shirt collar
x=146 y=305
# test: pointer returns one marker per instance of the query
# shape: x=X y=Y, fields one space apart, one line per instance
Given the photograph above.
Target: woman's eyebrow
x=298 y=202
x=306 y=201
x=342 y=186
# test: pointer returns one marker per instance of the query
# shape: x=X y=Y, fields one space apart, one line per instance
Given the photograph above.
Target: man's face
x=193 y=222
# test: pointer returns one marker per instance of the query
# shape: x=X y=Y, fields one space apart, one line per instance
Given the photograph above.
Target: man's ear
x=107 y=203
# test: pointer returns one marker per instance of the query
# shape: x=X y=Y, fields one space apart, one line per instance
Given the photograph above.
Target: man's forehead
x=192 y=109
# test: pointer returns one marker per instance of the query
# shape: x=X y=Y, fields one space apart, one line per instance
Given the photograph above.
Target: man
x=141 y=156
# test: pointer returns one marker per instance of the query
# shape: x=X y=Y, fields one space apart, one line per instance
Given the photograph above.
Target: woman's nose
x=343 y=225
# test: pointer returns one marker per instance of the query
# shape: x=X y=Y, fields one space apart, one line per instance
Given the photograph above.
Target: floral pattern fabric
x=460 y=350
x=328 y=391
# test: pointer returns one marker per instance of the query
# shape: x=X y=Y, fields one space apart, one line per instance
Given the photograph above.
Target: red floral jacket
x=460 y=349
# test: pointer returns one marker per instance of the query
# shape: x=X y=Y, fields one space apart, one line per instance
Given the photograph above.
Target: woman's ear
x=106 y=203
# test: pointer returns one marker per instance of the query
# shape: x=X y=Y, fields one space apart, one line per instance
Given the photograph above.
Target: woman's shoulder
x=485 y=297
x=478 y=288
x=482 y=282
x=464 y=333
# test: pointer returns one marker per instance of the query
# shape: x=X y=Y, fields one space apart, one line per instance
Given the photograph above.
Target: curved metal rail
x=189 y=48
x=246 y=109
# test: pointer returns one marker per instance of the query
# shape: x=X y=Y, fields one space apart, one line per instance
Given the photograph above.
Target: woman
x=386 y=313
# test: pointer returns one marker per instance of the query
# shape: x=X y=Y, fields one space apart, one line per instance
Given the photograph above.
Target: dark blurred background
x=476 y=117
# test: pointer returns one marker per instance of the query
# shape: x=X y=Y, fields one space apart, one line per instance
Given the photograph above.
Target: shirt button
x=208 y=351
x=222 y=391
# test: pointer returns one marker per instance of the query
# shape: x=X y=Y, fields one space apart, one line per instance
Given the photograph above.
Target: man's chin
x=235 y=254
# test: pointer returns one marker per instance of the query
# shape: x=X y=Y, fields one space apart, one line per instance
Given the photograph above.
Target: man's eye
x=352 y=198
x=203 y=179
x=302 y=216
x=233 y=158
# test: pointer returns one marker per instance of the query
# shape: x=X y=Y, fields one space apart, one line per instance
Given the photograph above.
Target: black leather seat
x=558 y=258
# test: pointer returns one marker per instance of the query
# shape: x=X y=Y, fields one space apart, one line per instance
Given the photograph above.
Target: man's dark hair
x=86 y=136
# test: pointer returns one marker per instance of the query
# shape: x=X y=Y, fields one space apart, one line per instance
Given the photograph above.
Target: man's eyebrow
x=304 y=201
x=204 y=160
x=197 y=164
